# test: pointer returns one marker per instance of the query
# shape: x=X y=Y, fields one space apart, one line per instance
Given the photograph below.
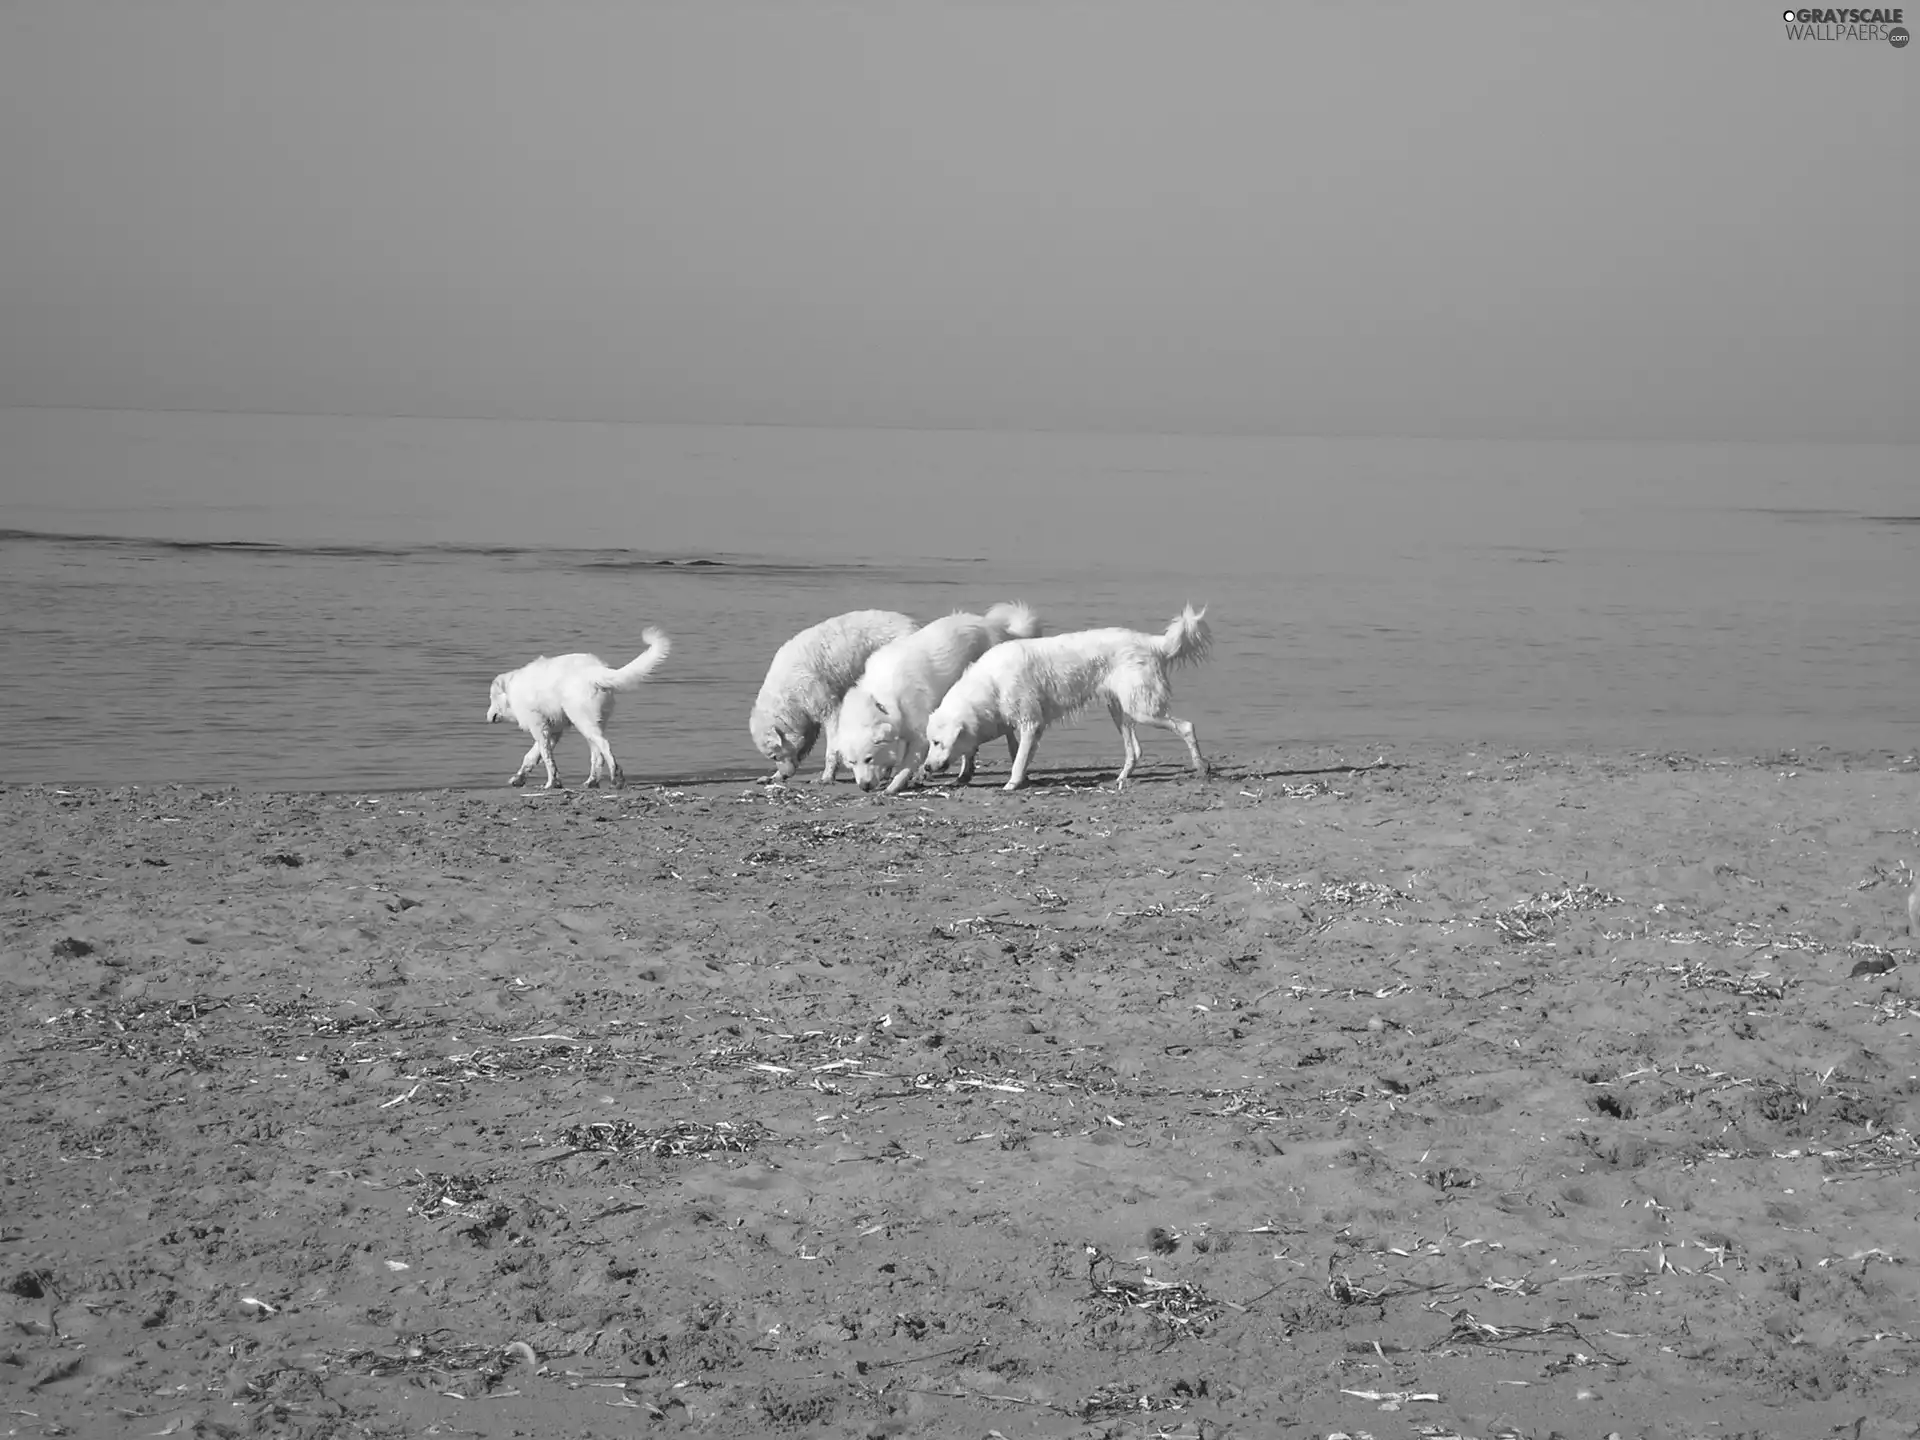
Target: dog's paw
x=517 y=781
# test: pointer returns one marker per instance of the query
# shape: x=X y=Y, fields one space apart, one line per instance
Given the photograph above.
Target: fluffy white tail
x=1013 y=620
x=643 y=664
x=1188 y=637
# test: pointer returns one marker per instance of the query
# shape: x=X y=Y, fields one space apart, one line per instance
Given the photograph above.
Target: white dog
x=883 y=720
x=1023 y=686
x=806 y=682
x=546 y=695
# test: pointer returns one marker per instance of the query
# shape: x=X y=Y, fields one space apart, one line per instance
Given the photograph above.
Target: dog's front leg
x=1029 y=737
x=911 y=765
x=831 y=772
x=1129 y=752
x=526 y=765
x=966 y=770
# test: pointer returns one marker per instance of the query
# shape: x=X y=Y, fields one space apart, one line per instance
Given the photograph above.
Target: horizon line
x=952 y=428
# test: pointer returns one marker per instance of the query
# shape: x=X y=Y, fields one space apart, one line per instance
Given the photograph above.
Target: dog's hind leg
x=1184 y=729
x=600 y=753
x=602 y=763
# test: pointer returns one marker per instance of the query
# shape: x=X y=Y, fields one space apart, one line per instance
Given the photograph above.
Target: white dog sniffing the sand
x=809 y=676
x=1020 y=688
x=883 y=719
x=547 y=694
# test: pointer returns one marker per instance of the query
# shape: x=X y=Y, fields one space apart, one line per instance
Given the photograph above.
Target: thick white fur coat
x=883 y=719
x=807 y=680
x=1020 y=688
x=547 y=694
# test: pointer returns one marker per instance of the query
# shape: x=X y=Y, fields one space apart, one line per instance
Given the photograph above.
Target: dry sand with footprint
x=1477 y=1095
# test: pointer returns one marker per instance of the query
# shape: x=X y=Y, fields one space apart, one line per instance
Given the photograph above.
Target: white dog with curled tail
x=883 y=720
x=808 y=678
x=1020 y=688
x=546 y=695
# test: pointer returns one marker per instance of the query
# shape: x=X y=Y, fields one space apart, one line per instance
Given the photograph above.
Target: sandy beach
x=1470 y=1094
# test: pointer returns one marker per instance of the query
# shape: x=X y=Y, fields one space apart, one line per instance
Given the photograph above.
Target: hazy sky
x=1647 y=220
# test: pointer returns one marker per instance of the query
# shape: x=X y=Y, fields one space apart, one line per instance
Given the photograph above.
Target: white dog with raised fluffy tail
x=1020 y=688
x=547 y=694
x=809 y=676
x=883 y=719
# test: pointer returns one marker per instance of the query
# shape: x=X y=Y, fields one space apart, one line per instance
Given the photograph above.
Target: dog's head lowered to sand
x=870 y=739
x=954 y=734
x=785 y=743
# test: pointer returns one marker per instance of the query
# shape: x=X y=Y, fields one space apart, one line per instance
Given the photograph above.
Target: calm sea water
x=319 y=603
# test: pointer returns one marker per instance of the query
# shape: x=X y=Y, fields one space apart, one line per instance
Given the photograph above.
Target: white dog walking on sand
x=546 y=695
x=883 y=719
x=1023 y=686
x=807 y=680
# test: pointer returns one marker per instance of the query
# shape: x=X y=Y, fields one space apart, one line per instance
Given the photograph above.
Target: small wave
x=332 y=549
x=577 y=557
x=627 y=561
x=1798 y=512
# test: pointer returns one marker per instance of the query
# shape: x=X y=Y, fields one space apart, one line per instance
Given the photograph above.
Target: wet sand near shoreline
x=1473 y=1093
